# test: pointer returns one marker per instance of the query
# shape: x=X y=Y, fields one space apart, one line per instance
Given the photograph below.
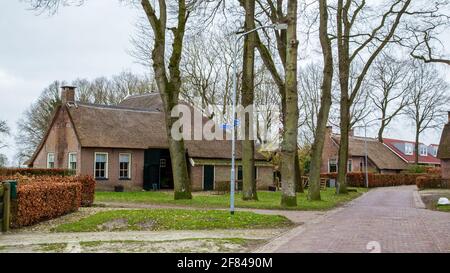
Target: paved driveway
x=383 y=220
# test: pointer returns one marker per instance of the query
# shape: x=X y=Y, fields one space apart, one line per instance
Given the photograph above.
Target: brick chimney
x=67 y=94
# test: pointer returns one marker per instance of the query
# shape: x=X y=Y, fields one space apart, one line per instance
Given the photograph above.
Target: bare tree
x=429 y=97
x=247 y=97
x=34 y=121
x=4 y=131
x=389 y=80
x=356 y=42
x=310 y=83
x=325 y=102
x=421 y=36
x=169 y=82
x=32 y=126
x=282 y=74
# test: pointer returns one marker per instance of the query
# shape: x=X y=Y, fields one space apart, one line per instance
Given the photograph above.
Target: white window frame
x=423 y=148
x=349 y=163
x=76 y=161
x=435 y=150
x=409 y=151
x=48 y=160
x=106 y=164
x=332 y=159
x=129 y=165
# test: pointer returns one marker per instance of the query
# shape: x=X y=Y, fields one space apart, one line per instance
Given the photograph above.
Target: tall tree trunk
x=325 y=104
x=248 y=145
x=383 y=122
x=298 y=175
x=416 y=147
x=170 y=89
x=343 y=32
x=289 y=143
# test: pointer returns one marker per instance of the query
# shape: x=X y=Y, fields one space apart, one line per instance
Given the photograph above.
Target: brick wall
x=137 y=168
x=265 y=178
x=61 y=141
x=445 y=167
x=196 y=175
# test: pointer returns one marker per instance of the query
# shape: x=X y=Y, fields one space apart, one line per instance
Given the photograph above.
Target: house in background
x=405 y=150
x=127 y=145
x=380 y=158
x=444 y=150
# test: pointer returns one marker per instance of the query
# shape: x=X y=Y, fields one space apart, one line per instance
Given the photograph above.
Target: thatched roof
x=150 y=101
x=444 y=145
x=138 y=123
x=377 y=152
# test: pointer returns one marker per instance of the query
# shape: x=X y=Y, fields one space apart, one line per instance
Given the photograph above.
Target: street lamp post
x=238 y=36
x=365 y=151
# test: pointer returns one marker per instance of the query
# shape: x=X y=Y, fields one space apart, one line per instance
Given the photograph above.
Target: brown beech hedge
x=358 y=179
x=37 y=202
x=41 y=198
x=436 y=182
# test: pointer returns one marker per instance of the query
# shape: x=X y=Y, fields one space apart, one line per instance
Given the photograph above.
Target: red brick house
x=405 y=150
x=127 y=145
x=444 y=150
x=380 y=158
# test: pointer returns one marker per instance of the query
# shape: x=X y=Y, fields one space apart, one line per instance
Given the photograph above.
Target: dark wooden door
x=208 y=177
x=151 y=169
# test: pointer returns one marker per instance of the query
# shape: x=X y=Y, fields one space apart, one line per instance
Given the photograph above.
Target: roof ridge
x=140 y=95
x=113 y=107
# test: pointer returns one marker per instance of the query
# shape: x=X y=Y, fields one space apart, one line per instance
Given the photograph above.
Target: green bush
x=37 y=172
x=417 y=169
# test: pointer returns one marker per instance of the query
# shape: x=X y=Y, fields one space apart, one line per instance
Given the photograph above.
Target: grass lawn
x=431 y=196
x=173 y=219
x=443 y=208
x=267 y=200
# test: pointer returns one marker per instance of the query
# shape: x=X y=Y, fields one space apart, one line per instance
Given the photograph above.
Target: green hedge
x=37 y=172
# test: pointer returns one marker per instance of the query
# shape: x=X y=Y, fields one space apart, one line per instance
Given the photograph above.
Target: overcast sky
x=78 y=42
x=86 y=42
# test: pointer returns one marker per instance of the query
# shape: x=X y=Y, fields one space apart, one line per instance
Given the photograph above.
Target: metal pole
x=365 y=154
x=233 y=140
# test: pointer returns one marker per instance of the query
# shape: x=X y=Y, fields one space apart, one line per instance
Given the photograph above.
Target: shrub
x=432 y=182
x=87 y=189
x=434 y=171
x=42 y=201
x=378 y=180
x=33 y=172
x=87 y=184
x=417 y=169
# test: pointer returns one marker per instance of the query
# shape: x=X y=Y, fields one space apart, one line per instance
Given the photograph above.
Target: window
x=124 y=166
x=101 y=166
x=72 y=161
x=332 y=166
x=408 y=149
x=349 y=165
x=50 y=160
x=434 y=150
x=423 y=150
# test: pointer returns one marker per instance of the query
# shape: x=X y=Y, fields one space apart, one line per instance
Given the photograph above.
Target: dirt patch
x=147 y=225
x=114 y=225
x=47 y=226
x=178 y=246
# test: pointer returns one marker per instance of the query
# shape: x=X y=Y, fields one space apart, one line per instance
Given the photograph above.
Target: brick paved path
x=384 y=219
